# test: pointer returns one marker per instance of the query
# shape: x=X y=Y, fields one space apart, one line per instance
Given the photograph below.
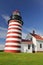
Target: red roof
x=27 y=41
x=38 y=37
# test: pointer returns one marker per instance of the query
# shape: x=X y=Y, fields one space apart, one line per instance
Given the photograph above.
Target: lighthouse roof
x=16 y=12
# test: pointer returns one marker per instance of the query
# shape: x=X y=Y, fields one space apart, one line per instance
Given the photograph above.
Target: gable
x=29 y=37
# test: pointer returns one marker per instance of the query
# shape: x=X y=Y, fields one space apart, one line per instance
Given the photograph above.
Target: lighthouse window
x=28 y=46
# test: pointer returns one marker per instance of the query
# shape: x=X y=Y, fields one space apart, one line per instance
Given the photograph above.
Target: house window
x=32 y=45
x=40 y=45
x=28 y=46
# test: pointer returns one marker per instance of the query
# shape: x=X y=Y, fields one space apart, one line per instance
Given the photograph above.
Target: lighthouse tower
x=14 y=34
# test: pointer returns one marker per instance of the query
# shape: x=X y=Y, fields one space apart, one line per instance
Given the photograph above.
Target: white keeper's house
x=33 y=43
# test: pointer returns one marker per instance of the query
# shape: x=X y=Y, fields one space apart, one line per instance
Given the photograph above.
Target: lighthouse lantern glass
x=16 y=13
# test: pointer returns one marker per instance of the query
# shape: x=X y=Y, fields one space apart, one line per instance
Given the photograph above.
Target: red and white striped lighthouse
x=14 y=34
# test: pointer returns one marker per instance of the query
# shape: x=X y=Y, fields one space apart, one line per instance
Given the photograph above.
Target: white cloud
x=3 y=32
x=3 y=28
x=23 y=35
x=28 y=29
x=5 y=17
x=2 y=47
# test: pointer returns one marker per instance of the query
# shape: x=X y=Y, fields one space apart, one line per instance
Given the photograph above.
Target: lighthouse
x=14 y=34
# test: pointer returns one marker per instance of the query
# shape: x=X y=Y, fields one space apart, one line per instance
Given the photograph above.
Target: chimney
x=33 y=31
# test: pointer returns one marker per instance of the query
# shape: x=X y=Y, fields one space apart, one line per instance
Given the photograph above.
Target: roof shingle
x=27 y=41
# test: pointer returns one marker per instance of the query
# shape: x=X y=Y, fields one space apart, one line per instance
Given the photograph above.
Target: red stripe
x=13 y=37
x=13 y=41
x=13 y=51
x=12 y=46
x=15 y=25
x=14 y=33
x=14 y=28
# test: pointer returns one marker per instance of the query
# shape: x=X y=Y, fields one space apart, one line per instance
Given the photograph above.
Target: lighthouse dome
x=16 y=12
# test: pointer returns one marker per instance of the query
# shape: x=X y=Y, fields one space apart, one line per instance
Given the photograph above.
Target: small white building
x=33 y=43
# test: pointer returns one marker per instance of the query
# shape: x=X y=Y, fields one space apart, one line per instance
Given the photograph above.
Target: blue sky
x=31 y=12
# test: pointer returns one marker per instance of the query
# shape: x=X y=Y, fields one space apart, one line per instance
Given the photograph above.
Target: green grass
x=21 y=58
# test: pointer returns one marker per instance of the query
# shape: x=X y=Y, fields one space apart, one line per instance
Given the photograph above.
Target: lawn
x=21 y=58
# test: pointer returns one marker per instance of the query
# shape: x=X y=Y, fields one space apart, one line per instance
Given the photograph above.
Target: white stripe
x=12 y=48
x=13 y=44
x=13 y=39
x=13 y=30
x=14 y=23
x=14 y=35
x=15 y=27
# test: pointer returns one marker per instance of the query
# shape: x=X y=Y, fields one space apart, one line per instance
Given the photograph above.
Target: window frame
x=40 y=45
x=28 y=46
